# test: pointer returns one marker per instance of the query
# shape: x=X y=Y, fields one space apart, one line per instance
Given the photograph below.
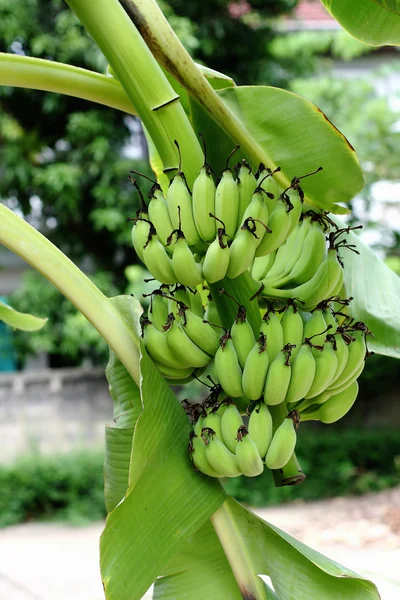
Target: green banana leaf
x=370 y=21
x=167 y=501
x=392 y=5
x=296 y=135
x=297 y=572
x=18 y=320
x=375 y=290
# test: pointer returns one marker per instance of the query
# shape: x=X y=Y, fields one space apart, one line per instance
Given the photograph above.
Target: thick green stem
x=291 y=473
x=17 y=235
x=169 y=51
x=234 y=546
x=50 y=76
x=142 y=78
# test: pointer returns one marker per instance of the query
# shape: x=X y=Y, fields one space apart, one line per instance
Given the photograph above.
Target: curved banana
x=158 y=309
x=278 y=378
x=156 y=345
x=288 y=254
x=231 y=420
x=220 y=458
x=178 y=195
x=257 y=210
x=302 y=374
x=293 y=328
x=242 y=250
x=326 y=363
x=213 y=421
x=336 y=407
x=157 y=260
x=261 y=428
x=342 y=354
x=216 y=260
x=201 y=333
x=211 y=313
x=187 y=270
x=246 y=183
x=187 y=352
x=357 y=352
x=279 y=223
x=242 y=336
x=282 y=445
x=197 y=448
x=176 y=375
x=227 y=367
x=140 y=234
x=227 y=202
x=271 y=327
x=262 y=265
x=204 y=203
x=315 y=328
x=247 y=456
x=159 y=214
x=196 y=302
x=255 y=369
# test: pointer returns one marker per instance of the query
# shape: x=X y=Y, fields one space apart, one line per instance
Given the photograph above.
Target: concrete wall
x=53 y=411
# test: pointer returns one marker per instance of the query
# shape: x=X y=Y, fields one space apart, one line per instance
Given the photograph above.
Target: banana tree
x=265 y=296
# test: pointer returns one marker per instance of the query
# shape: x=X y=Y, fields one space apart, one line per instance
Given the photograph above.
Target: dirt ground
x=41 y=561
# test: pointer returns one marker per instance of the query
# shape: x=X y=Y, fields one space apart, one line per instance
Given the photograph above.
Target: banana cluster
x=222 y=446
x=213 y=231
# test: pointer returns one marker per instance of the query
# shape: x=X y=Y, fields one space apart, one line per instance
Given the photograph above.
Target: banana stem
x=234 y=546
x=50 y=76
x=144 y=82
x=291 y=473
x=22 y=239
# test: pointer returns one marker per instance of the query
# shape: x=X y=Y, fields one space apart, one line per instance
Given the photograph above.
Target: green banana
x=271 y=327
x=279 y=223
x=230 y=423
x=216 y=260
x=342 y=354
x=262 y=265
x=196 y=302
x=336 y=407
x=180 y=344
x=357 y=352
x=315 y=328
x=287 y=255
x=159 y=214
x=282 y=445
x=204 y=203
x=178 y=195
x=255 y=369
x=242 y=336
x=213 y=421
x=157 y=260
x=227 y=202
x=156 y=345
x=326 y=363
x=197 y=448
x=177 y=375
x=265 y=180
x=227 y=367
x=242 y=250
x=211 y=313
x=140 y=234
x=246 y=183
x=186 y=270
x=220 y=458
x=278 y=378
x=201 y=333
x=293 y=328
x=247 y=456
x=302 y=374
x=260 y=428
x=258 y=211
x=158 y=309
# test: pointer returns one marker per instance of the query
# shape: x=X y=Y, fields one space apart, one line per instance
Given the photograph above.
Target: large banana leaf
x=375 y=290
x=167 y=501
x=18 y=320
x=368 y=20
x=295 y=134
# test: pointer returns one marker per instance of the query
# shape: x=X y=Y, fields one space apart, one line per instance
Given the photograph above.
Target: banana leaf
x=18 y=320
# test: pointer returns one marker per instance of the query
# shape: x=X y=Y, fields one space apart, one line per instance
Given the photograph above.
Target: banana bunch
x=213 y=231
x=175 y=335
x=221 y=445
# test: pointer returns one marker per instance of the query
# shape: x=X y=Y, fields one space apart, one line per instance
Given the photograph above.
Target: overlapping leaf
x=19 y=320
x=370 y=21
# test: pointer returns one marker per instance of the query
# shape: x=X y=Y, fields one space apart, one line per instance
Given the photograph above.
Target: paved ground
x=57 y=562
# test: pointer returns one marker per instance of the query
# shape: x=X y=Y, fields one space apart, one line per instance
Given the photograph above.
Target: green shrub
x=70 y=487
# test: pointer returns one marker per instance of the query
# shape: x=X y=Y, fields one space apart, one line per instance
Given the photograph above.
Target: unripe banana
x=196 y=302
x=186 y=270
x=266 y=181
x=140 y=234
x=159 y=214
x=176 y=375
x=201 y=333
x=255 y=369
x=336 y=407
x=156 y=345
x=157 y=260
x=258 y=211
x=197 y=448
x=315 y=329
x=356 y=357
x=213 y=421
x=302 y=374
x=158 y=309
x=230 y=423
x=216 y=260
x=227 y=367
x=246 y=183
x=342 y=354
x=293 y=329
x=220 y=458
x=287 y=255
x=247 y=455
x=282 y=445
x=262 y=265
x=242 y=336
x=260 y=428
x=187 y=352
x=204 y=204
x=178 y=195
x=227 y=202
x=279 y=223
x=326 y=364
x=242 y=250
x=278 y=378
x=211 y=313
x=272 y=329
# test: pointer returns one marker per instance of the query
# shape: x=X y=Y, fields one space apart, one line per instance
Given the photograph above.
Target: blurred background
x=63 y=166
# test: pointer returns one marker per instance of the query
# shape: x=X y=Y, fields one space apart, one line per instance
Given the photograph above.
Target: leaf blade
x=19 y=320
